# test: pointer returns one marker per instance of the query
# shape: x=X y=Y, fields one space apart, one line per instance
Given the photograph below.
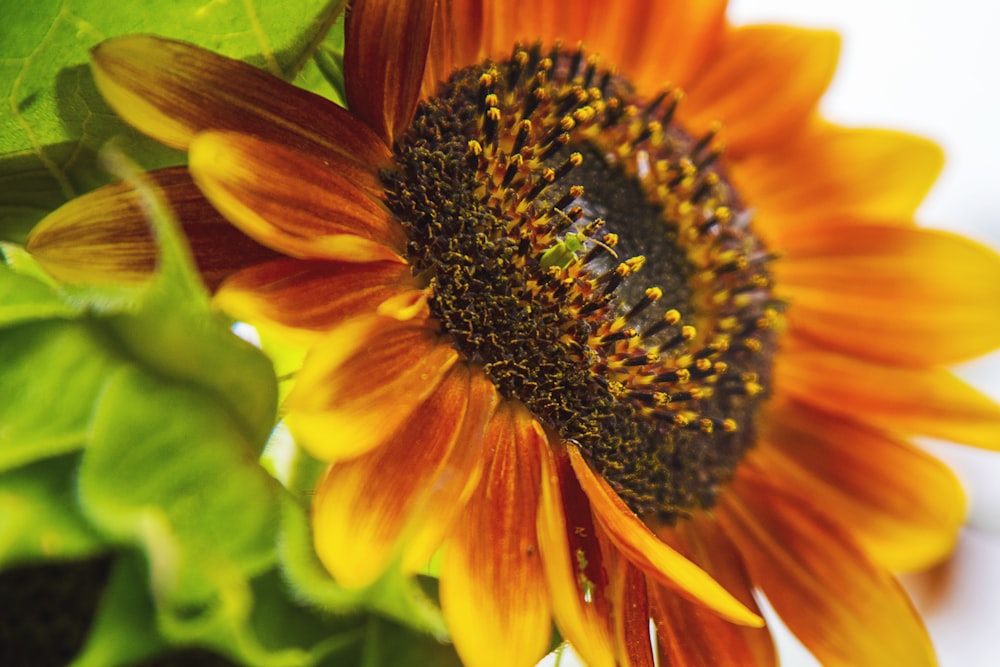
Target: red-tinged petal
x=897 y=294
x=362 y=382
x=902 y=400
x=688 y=634
x=903 y=506
x=302 y=299
x=385 y=50
x=493 y=591
x=173 y=90
x=456 y=39
x=291 y=201
x=831 y=174
x=103 y=237
x=762 y=83
x=457 y=477
x=362 y=506
x=845 y=609
x=631 y=605
x=574 y=563
x=655 y=558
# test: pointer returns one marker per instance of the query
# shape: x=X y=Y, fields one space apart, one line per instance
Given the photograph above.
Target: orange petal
x=456 y=39
x=762 y=84
x=903 y=400
x=830 y=173
x=688 y=634
x=845 y=609
x=291 y=201
x=173 y=90
x=103 y=237
x=457 y=477
x=493 y=590
x=673 y=43
x=903 y=506
x=305 y=298
x=897 y=294
x=385 y=50
x=362 y=382
x=650 y=41
x=655 y=558
x=363 y=505
x=574 y=563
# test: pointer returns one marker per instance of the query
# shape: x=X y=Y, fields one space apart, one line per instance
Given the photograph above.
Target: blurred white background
x=930 y=67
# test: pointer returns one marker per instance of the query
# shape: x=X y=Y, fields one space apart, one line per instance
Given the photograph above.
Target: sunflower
x=597 y=306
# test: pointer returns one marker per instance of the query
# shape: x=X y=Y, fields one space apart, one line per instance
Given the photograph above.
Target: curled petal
x=385 y=49
x=655 y=558
x=493 y=589
x=173 y=90
x=362 y=382
x=845 y=609
x=291 y=201
x=762 y=83
x=897 y=294
x=103 y=237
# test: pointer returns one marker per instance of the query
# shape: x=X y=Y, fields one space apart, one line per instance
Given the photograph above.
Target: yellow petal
x=763 y=83
x=493 y=591
x=290 y=201
x=830 y=174
x=903 y=506
x=173 y=90
x=103 y=237
x=363 y=505
x=655 y=558
x=846 y=610
x=362 y=382
x=890 y=293
x=895 y=399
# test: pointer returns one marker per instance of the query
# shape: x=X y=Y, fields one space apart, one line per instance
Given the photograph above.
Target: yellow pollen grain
x=672 y=316
x=475 y=147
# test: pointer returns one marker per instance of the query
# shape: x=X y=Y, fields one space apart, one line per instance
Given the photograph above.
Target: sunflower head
x=643 y=350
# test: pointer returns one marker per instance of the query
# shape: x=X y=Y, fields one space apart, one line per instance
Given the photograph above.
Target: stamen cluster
x=593 y=259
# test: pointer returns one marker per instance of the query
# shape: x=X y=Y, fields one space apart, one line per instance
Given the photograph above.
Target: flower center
x=593 y=259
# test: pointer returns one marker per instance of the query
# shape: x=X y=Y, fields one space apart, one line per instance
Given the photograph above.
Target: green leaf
x=55 y=121
x=52 y=372
x=39 y=516
x=170 y=471
x=24 y=298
